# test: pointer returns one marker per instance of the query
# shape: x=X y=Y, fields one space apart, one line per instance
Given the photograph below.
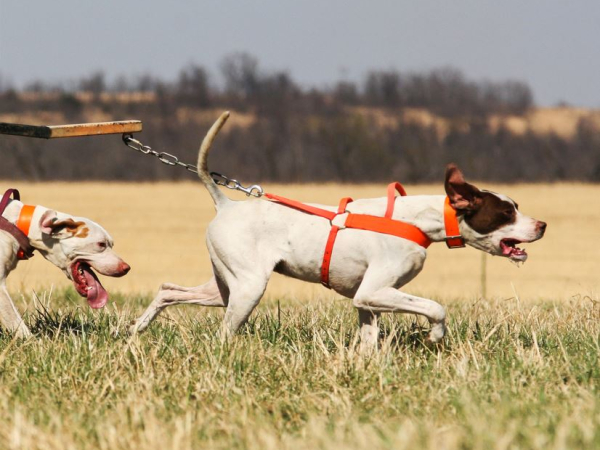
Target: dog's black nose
x=541 y=227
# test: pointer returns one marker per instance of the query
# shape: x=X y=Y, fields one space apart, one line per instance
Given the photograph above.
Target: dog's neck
x=12 y=212
x=425 y=212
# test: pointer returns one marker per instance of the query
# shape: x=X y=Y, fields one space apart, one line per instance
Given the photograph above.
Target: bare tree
x=193 y=87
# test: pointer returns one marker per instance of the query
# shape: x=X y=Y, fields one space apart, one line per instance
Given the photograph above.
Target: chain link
x=171 y=160
x=164 y=157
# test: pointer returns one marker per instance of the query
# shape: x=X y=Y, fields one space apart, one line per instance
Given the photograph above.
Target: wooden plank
x=74 y=130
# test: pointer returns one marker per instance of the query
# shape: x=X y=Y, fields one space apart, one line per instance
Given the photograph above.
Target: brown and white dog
x=250 y=240
x=73 y=244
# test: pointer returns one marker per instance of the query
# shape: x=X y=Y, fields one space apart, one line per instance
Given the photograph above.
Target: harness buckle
x=459 y=238
x=340 y=220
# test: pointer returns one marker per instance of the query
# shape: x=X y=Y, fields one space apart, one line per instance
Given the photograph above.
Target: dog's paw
x=23 y=334
x=436 y=334
x=366 y=348
x=134 y=328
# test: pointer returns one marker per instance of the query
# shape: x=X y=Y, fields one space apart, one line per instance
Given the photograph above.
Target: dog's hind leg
x=244 y=295
x=242 y=278
x=170 y=294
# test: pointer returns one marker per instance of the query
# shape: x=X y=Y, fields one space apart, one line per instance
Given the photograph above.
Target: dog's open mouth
x=510 y=250
x=87 y=284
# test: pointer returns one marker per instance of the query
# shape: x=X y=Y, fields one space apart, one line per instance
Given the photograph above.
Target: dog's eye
x=102 y=245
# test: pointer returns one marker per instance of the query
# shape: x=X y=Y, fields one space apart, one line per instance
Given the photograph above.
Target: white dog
x=73 y=244
x=250 y=240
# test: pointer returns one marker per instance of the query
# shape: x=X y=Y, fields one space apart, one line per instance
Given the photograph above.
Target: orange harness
x=383 y=225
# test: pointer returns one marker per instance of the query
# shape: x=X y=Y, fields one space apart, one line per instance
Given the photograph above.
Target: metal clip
x=447 y=239
x=255 y=190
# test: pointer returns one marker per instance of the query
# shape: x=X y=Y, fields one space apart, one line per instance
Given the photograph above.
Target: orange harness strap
x=330 y=241
x=391 y=197
x=384 y=225
x=302 y=207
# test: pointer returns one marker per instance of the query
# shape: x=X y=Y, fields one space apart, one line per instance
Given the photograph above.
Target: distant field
x=159 y=229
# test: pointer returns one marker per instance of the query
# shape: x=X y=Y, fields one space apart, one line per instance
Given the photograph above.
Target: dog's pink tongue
x=506 y=250
x=97 y=296
x=510 y=251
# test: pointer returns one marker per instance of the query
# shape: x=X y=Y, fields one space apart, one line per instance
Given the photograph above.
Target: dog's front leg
x=392 y=300
x=9 y=316
x=171 y=294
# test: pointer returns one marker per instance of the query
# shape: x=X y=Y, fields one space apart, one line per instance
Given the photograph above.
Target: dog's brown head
x=490 y=222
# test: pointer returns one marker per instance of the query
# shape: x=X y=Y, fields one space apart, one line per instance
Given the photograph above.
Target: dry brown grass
x=509 y=375
x=159 y=229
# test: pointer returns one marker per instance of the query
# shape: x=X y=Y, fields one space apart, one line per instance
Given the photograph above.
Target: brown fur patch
x=83 y=232
x=491 y=214
x=77 y=229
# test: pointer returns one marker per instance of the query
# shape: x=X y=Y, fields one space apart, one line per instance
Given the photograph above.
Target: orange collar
x=453 y=238
x=24 y=224
x=24 y=221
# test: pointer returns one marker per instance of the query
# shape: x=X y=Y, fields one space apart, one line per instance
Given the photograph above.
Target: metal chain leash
x=171 y=160
x=164 y=157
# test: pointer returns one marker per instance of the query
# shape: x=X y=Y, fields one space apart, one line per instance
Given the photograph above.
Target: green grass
x=509 y=375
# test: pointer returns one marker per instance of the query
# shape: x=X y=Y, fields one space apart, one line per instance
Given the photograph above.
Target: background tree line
x=349 y=132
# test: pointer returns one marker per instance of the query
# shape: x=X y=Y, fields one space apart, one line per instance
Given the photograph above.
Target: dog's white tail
x=214 y=191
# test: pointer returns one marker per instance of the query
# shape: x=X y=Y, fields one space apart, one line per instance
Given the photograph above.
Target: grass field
x=518 y=369
x=509 y=375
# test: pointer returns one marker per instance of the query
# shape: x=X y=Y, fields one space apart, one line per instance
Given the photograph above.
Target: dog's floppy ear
x=463 y=196
x=50 y=225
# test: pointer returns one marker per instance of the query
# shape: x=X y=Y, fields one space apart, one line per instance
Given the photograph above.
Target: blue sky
x=554 y=46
